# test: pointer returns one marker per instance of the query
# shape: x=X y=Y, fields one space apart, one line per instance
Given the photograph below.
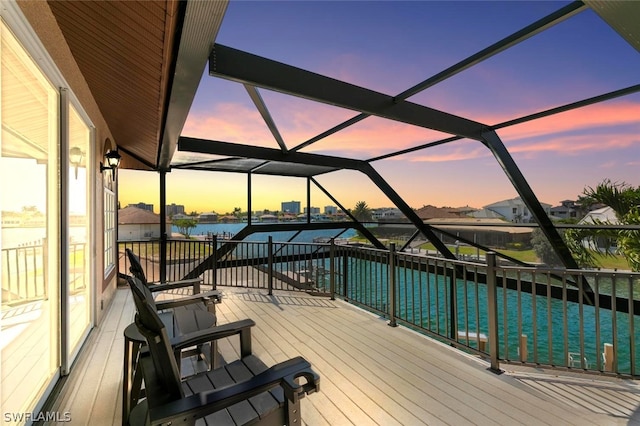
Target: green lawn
x=529 y=256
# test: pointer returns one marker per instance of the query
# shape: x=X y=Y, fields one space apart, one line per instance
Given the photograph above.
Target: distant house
x=481 y=231
x=268 y=218
x=388 y=214
x=210 y=217
x=229 y=219
x=485 y=214
x=515 y=210
x=566 y=210
x=432 y=212
x=179 y=216
x=139 y=224
x=601 y=215
x=487 y=231
x=604 y=214
x=289 y=217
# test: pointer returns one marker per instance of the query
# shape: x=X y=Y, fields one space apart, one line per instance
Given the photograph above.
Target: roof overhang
x=143 y=62
x=622 y=16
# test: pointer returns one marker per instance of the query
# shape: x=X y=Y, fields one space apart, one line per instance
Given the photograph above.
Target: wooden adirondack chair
x=209 y=298
x=242 y=392
x=179 y=324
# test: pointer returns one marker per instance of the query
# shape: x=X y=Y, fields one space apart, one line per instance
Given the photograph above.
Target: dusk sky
x=389 y=47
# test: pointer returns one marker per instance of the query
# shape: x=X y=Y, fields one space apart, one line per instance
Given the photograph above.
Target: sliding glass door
x=47 y=239
x=30 y=242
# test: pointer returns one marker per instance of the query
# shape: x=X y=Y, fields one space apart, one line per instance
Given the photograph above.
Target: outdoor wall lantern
x=75 y=158
x=112 y=158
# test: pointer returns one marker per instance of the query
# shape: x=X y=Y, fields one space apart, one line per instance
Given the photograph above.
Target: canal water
x=228 y=230
x=553 y=328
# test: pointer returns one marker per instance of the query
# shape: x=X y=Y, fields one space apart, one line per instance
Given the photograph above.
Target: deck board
x=370 y=373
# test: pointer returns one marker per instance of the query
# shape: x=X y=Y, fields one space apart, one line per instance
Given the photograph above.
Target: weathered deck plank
x=370 y=373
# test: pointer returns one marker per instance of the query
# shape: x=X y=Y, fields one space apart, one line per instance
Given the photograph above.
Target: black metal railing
x=23 y=274
x=584 y=320
x=24 y=277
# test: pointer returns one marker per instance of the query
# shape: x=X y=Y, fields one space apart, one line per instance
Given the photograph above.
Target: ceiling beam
x=236 y=65
x=204 y=146
x=202 y=20
x=266 y=115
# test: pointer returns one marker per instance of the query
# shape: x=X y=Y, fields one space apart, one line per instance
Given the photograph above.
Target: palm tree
x=362 y=212
x=624 y=200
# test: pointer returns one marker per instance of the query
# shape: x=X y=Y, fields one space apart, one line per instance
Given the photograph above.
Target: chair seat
x=191 y=320
x=264 y=407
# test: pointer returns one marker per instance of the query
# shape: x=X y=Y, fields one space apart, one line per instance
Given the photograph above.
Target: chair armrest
x=206 y=298
x=242 y=327
x=170 y=285
x=205 y=403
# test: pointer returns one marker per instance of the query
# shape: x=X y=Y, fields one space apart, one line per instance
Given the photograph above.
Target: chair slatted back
x=136 y=266
x=152 y=328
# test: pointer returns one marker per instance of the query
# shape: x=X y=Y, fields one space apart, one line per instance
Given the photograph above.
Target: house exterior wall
x=138 y=232
x=515 y=210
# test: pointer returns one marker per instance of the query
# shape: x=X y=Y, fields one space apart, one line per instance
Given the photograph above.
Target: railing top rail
x=564 y=271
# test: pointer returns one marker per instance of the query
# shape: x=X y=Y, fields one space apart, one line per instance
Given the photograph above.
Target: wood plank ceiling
x=125 y=50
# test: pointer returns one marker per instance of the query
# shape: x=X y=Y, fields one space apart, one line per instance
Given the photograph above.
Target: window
x=109 y=230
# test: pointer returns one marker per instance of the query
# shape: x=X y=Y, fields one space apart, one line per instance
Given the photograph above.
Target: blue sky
x=390 y=46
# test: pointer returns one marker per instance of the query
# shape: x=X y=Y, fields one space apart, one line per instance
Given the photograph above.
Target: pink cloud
x=597 y=124
x=601 y=115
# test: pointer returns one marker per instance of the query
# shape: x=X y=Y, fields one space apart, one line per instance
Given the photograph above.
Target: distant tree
x=185 y=226
x=362 y=212
x=543 y=248
x=624 y=199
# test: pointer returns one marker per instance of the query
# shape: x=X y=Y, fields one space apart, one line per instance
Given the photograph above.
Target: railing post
x=392 y=285
x=345 y=270
x=163 y=226
x=523 y=348
x=270 y=265
x=453 y=302
x=609 y=356
x=332 y=269
x=492 y=300
x=214 y=255
x=45 y=265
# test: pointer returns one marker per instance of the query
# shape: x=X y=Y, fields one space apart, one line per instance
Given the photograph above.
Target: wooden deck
x=371 y=374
